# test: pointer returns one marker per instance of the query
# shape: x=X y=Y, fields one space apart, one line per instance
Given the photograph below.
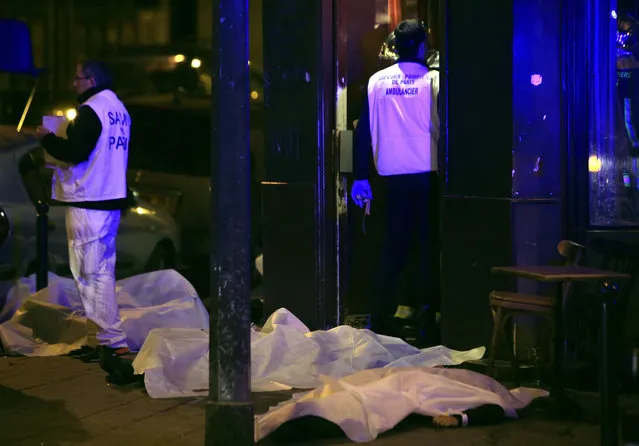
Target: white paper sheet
x=51 y=322
x=363 y=382
x=371 y=402
x=284 y=355
x=58 y=126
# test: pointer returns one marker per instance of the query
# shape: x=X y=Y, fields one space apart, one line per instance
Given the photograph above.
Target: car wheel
x=162 y=257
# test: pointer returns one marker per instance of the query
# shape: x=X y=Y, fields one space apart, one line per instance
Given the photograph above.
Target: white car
x=148 y=238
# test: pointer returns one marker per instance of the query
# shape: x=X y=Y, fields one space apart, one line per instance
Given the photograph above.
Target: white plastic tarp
x=51 y=322
x=284 y=355
x=371 y=402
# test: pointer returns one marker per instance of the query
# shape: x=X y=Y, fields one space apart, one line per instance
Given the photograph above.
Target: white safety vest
x=404 y=120
x=103 y=176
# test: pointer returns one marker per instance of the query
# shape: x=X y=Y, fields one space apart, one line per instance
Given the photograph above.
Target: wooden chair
x=506 y=304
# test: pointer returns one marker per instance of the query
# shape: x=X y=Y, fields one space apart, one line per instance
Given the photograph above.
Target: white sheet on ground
x=370 y=402
x=51 y=322
x=284 y=355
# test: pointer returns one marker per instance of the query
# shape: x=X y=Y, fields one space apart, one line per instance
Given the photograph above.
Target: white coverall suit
x=92 y=185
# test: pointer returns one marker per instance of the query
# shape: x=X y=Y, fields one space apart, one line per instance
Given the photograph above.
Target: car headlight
x=143 y=211
x=69 y=113
x=4 y=226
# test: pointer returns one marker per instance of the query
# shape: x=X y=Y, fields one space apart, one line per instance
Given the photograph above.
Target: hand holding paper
x=58 y=126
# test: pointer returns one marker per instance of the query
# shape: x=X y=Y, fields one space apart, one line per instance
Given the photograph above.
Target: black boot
x=117 y=366
x=405 y=325
x=418 y=328
x=89 y=355
x=427 y=322
x=80 y=352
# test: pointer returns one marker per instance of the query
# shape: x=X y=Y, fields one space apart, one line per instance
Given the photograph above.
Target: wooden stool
x=506 y=304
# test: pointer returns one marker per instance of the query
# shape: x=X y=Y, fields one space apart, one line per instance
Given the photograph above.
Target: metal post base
x=229 y=424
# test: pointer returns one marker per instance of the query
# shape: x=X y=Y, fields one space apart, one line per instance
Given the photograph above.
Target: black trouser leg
x=407 y=210
x=485 y=415
x=394 y=253
x=425 y=276
x=425 y=282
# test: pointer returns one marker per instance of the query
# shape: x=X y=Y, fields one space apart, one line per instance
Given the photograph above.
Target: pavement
x=60 y=401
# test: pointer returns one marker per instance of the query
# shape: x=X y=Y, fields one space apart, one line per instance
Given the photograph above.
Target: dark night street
x=62 y=401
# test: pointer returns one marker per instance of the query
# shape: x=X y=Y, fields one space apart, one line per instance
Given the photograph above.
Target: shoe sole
x=81 y=352
x=118 y=369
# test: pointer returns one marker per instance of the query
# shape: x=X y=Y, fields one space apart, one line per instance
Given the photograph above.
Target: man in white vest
x=91 y=184
x=399 y=129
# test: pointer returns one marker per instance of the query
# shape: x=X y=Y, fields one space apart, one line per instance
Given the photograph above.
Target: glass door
x=363 y=28
x=613 y=108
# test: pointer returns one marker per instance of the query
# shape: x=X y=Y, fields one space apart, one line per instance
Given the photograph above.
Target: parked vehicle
x=170 y=167
x=148 y=238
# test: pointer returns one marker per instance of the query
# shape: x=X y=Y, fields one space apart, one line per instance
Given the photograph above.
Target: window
x=613 y=158
x=95 y=39
x=112 y=34
x=37 y=42
x=80 y=40
x=128 y=33
x=154 y=28
x=170 y=141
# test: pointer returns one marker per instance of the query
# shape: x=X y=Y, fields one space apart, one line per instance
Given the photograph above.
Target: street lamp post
x=229 y=412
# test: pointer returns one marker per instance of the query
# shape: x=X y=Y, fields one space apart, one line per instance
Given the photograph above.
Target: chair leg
x=550 y=363
x=514 y=362
x=497 y=318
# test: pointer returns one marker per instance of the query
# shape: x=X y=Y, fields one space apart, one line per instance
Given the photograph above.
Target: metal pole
x=229 y=414
x=42 y=245
x=608 y=365
x=28 y=106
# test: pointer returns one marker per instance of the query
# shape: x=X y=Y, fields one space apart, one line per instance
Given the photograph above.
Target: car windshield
x=170 y=141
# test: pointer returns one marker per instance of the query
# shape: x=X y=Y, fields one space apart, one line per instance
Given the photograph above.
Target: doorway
x=361 y=30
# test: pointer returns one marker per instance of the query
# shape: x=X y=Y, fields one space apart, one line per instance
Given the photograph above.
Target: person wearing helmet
x=388 y=54
x=399 y=128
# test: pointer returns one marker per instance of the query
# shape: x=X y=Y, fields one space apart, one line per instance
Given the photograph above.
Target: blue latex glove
x=361 y=192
